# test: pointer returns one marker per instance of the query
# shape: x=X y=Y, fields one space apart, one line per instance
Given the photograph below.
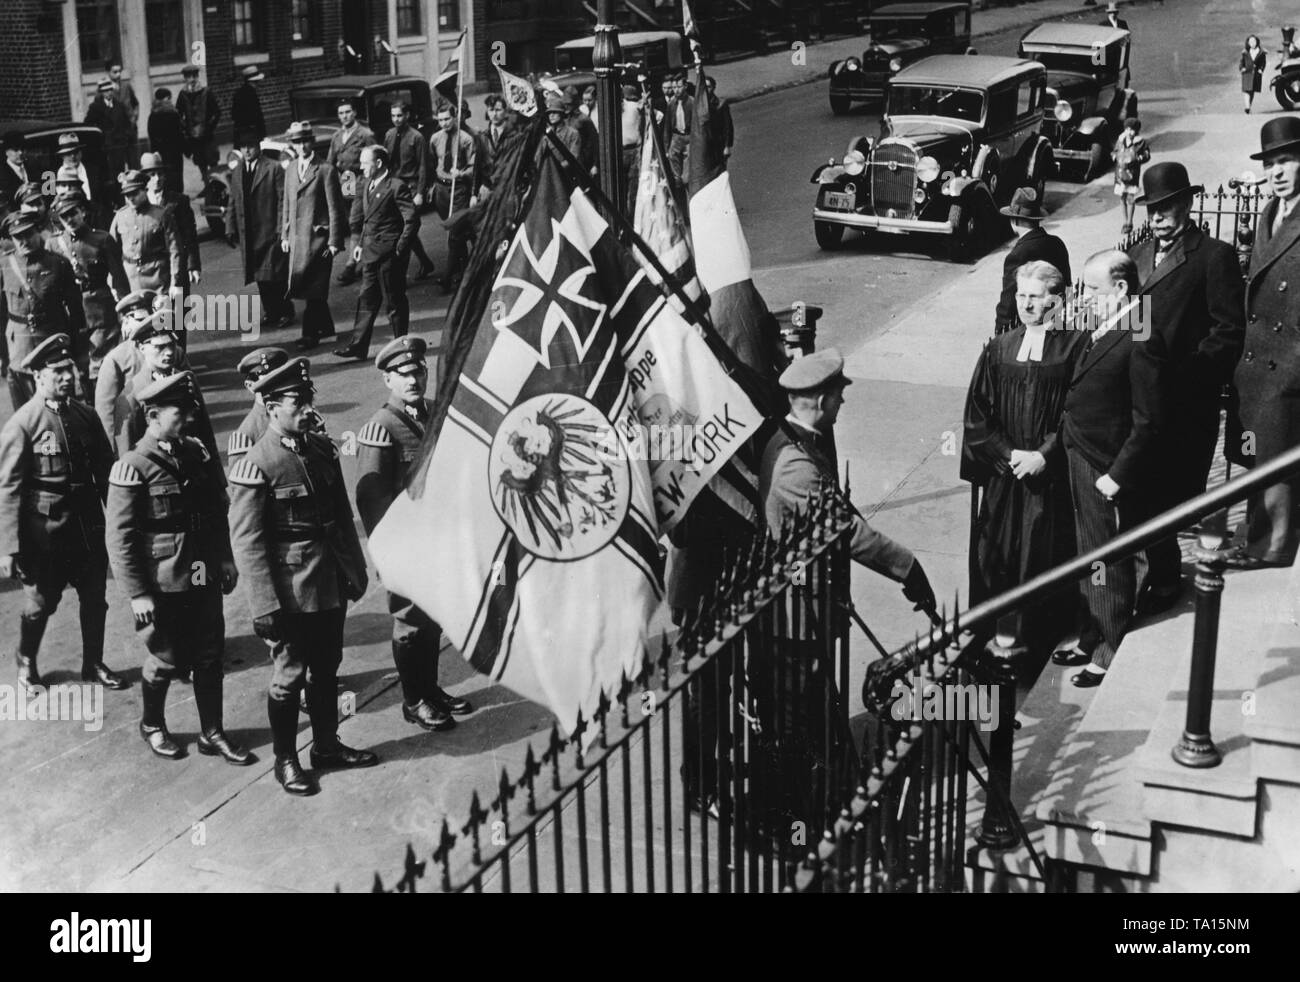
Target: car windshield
x=935 y=100
x=1081 y=62
x=882 y=29
x=322 y=107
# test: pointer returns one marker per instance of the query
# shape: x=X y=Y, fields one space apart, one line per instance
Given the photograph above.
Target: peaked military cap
x=29 y=195
x=259 y=361
x=556 y=103
x=132 y=180
x=179 y=389
x=71 y=201
x=21 y=222
x=292 y=376
x=157 y=326
x=400 y=352
x=54 y=350
x=815 y=371
x=139 y=300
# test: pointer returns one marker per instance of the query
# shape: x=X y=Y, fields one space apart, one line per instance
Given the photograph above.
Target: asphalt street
x=94 y=810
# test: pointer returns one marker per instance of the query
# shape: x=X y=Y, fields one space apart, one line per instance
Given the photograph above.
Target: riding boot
x=212 y=737
x=415 y=708
x=30 y=632
x=323 y=710
x=284 y=740
x=93 y=668
x=153 y=723
x=437 y=697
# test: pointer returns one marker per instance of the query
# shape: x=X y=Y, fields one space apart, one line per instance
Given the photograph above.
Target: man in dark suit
x=256 y=193
x=246 y=105
x=1113 y=19
x=1268 y=375
x=15 y=172
x=166 y=138
x=114 y=121
x=384 y=221
x=1197 y=326
x=1109 y=431
x=495 y=136
x=1026 y=213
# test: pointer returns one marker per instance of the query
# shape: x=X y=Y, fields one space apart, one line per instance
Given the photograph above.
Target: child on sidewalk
x=1130 y=153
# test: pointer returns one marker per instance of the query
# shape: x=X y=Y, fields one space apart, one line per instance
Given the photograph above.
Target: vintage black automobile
x=901 y=33
x=655 y=52
x=960 y=133
x=317 y=103
x=1088 y=91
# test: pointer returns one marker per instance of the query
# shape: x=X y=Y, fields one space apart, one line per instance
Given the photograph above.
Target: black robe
x=1024 y=527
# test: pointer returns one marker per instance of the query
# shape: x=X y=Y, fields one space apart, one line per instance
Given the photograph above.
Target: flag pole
x=605 y=56
x=460 y=101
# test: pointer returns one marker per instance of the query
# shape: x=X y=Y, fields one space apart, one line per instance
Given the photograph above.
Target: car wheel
x=840 y=104
x=1096 y=162
x=829 y=235
x=964 y=242
x=1288 y=92
x=218 y=227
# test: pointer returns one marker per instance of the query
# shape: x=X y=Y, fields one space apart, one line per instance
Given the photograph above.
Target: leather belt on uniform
x=304 y=534
x=177 y=523
x=445 y=181
x=51 y=488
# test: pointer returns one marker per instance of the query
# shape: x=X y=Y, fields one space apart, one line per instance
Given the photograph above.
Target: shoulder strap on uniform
x=247 y=473
x=124 y=475
x=238 y=443
x=373 y=434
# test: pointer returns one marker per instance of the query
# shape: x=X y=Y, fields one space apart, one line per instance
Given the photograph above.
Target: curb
x=771 y=87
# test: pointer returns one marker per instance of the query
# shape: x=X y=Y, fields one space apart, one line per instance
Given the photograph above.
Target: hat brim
x=1143 y=200
x=1275 y=148
x=1021 y=215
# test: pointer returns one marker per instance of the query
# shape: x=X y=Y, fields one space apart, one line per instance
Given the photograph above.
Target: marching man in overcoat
x=312 y=228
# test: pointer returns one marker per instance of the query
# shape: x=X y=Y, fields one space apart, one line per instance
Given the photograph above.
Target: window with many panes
x=246 y=24
x=306 y=21
x=408 y=18
x=164 y=25
x=449 y=15
x=97 y=32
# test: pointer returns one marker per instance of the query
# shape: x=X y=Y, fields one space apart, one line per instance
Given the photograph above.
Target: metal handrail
x=881 y=674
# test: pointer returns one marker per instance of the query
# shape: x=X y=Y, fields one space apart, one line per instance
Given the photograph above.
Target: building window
x=97 y=32
x=408 y=18
x=449 y=15
x=246 y=19
x=164 y=23
x=306 y=20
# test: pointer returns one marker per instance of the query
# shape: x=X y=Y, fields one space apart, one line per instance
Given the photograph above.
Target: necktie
x=446 y=154
x=302 y=169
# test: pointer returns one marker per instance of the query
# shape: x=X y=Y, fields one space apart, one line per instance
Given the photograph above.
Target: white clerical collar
x=1031 y=348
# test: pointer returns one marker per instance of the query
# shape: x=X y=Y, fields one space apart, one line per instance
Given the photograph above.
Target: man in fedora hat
x=114 y=121
x=1027 y=214
x=557 y=115
x=1113 y=19
x=103 y=199
x=147 y=236
x=256 y=202
x=200 y=114
x=15 y=172
x=166 y=138
x=246 y=105
x=177 y=206
x=312 y=228
x=1197 y=326
x=1268 y=376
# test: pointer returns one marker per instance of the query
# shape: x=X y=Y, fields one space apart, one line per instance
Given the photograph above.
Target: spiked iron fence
x=1226 y=214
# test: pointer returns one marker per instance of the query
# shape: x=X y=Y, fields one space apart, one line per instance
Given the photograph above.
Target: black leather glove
x=269 y=627
x=917 y=589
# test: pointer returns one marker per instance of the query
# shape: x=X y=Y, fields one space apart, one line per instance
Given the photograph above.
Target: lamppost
x=605 y=57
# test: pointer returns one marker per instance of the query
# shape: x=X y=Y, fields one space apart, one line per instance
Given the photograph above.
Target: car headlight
x=852 y=65
x=1063 y=111
x=927 y=169
x=854 y=162
x=895 y=64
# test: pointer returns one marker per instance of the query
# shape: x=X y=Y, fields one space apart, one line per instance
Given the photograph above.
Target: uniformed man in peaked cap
x=252 y=367
x=169 y=545
x=147 y=235
x=160 y=352
x=294 y=541
x=386 y=446
x=54 y=464
x=39 y=298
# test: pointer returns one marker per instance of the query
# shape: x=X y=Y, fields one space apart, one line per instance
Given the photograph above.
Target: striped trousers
x=1109 y=593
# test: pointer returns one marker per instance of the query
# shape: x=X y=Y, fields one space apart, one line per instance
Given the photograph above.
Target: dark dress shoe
x=161 y=742
x=1070 y=656
x=306 y=344
x=291 y=777
x=341 y=755
x=216 y=744
x=450 y=704
x=1153 y=602
x=104 y=675
x=350 y=351
x=1087 y=680
x=427 y=717
x=348 y=274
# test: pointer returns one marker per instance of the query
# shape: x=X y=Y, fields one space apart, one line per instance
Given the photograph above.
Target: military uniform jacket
x=200 y=426
x=251 y=428
x=54 y=466
x=39 y=297
x=790 y=474
x=97 y=264
x=386 y=446
x=178 y=208
x=166 y=518
x=151 y=247
x=291 y=526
